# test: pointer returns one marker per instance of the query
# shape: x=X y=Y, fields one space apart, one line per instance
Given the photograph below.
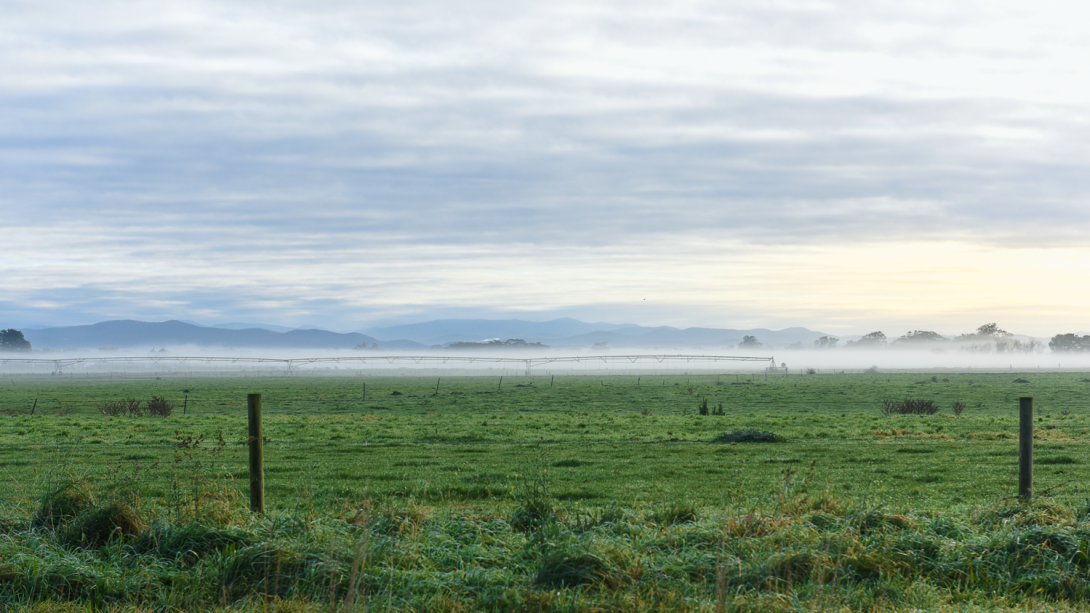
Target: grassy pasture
x=606 y=439
x=626 y=468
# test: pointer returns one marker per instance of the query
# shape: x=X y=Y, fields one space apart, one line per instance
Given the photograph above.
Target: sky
x=843 y=166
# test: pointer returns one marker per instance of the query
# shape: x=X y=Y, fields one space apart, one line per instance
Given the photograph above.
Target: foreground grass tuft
x=797 y=549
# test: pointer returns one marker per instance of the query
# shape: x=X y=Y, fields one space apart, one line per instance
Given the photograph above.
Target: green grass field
x=619 y=470
x=607 y=439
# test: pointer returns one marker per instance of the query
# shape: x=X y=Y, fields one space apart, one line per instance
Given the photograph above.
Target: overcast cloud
x=843 y=166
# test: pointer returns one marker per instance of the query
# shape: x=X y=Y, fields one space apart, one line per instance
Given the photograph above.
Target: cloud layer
x=748 y=163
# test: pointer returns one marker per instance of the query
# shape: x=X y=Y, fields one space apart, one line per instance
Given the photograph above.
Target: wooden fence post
x=1025 y=449
x=257 y=460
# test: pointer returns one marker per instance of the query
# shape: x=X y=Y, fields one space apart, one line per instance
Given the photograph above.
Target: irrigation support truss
x=59 y=364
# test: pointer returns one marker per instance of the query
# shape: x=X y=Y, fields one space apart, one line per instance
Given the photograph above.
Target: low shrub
x=159 y=407
x=128 y=406
x=703 y=408
x=749 y=436
x=909 y=406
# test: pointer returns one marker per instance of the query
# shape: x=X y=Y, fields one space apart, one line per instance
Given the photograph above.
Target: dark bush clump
x=703 y=408
x=156 y=407
x=749 y=436
x=159 y=407
x=128 y=406
x=909 y=406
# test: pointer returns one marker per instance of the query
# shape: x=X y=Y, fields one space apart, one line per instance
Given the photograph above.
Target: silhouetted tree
x=826 y=342
x=750 y=342
x=986 y=332
x=1069 y=343
x=922 y=337
x=874 y=339
x=12 y=340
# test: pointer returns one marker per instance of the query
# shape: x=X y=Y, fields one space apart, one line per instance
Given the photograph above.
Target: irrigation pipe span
x=59 y=364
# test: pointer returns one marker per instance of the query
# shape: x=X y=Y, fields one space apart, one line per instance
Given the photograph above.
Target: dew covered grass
x=579 y=493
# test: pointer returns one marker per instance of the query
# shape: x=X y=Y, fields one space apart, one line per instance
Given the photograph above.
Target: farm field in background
x=573 y=493
x=606 y=438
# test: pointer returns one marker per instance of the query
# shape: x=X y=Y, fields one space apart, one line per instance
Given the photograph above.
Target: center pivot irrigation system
x=291 y=364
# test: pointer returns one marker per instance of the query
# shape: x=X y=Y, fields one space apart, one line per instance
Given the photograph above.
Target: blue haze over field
x=121 y=340
x=562 y=335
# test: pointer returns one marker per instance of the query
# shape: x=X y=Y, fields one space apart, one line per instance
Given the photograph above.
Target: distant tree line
x=495 y=343
x=985 y=339
x=1069 y=343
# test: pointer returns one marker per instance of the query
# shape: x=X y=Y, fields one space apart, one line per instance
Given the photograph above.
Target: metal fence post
x=1025 y=449
x=257 y=461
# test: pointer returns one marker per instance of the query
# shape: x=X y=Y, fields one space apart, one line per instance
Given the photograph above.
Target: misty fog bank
x=195 y=359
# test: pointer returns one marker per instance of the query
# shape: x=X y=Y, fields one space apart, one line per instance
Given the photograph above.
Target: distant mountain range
x=127 y=334
x=566 y=332
x=460 y=330
x=559 y=333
